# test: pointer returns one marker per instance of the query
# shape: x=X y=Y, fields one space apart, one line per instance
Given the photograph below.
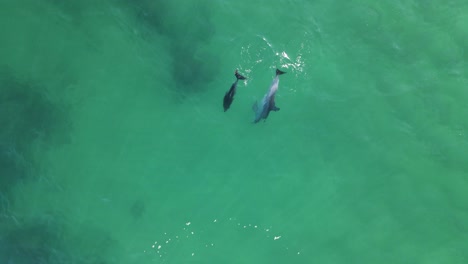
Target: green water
x=115 y=147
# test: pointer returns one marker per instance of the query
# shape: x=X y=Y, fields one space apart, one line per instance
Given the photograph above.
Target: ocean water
x=114 y=147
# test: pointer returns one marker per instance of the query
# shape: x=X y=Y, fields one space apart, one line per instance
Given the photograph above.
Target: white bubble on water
x=259 y=231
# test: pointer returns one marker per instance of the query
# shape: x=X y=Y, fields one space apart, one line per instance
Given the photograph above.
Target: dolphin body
x=229 y=96
x=263 y=109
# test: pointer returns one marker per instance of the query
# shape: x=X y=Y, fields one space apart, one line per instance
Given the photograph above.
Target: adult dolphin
x=267 y=104
x=229 y=96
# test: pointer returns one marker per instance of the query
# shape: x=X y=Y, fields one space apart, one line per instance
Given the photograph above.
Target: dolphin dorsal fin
x=279 y=72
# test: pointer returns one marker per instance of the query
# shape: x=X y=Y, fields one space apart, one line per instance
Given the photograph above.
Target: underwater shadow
x=193 y=67
x=45 y=239
x=28 y=117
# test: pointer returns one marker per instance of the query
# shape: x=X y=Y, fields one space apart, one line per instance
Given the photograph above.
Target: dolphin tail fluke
x=279 y=72
x=239 y=76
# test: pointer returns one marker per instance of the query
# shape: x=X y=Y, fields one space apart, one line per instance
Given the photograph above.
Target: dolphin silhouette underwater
x=229 y=96
x=267 y=104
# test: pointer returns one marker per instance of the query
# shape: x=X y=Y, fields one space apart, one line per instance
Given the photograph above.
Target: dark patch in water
x=27 y=116
x=45 y=239
x=138 y=209
x=27 y=112
x=13 y=168
x=191 y=70
x=35 y=242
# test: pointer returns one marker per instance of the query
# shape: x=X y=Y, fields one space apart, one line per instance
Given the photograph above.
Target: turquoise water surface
x=114 y=147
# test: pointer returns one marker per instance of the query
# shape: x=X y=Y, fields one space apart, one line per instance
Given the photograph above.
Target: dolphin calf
x=263 y=109
x=229 y=96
